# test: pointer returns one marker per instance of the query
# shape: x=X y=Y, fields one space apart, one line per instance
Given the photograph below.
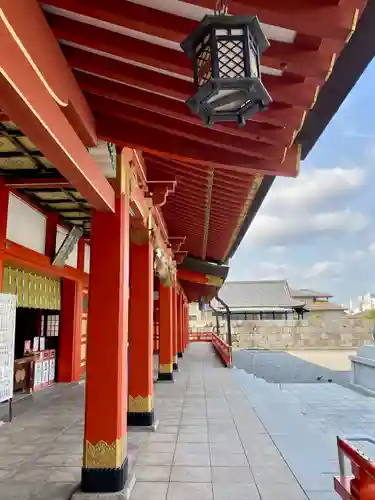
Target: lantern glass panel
x=227 y=100
x=204 y=61
x=254 y=66
x=230 y=53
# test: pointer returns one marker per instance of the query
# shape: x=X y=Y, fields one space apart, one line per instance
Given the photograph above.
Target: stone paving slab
x=211 y=444
x=223 y=435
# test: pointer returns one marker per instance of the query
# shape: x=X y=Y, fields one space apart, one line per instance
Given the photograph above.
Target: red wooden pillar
x=174 y=327
x=165 y=333
x=180 y=327
x=4 y=202
x=186 y=323
x=105 y=463
x=69 y=365
x=141 y=314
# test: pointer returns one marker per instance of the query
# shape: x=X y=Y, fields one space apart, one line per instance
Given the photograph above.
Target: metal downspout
x=229 y=334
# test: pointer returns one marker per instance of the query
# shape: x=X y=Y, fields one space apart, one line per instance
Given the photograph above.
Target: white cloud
x=278 y=249
x=312 y=188
x=324 y=269
x=371 y=248
x=303 y=227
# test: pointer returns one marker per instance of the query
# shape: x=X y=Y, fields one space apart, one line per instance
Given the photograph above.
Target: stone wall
x=305 y=334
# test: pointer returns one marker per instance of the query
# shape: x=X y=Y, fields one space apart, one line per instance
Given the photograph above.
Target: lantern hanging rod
x=221 y=7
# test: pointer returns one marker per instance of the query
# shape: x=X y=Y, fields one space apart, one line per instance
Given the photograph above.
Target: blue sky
x=318 y=230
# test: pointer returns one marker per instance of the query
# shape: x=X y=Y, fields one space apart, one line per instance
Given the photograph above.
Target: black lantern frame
x=225 y=51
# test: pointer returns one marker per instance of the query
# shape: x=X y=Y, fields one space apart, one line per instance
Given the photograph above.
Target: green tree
x=371 y=315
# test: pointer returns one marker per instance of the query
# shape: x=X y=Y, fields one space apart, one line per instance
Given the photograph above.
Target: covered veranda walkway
x=210 y=443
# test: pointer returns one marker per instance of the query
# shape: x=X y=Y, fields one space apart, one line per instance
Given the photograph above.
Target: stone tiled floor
x=210 y=444
x=223 y=435
x=41 y=450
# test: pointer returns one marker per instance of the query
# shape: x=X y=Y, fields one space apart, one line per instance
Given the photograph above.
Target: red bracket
x=176 y=243
x=180 y=256
x=159 y=190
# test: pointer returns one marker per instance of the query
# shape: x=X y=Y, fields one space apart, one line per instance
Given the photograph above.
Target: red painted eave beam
x=134 y=135
x=205 y=136
x=34 y=36
x=316 y=18
x=297 y=60
x=26 y=100
x=324 y=21
x=257 y=129
x=282 y=90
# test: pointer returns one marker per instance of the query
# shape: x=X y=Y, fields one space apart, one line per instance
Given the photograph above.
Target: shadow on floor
x=283 y=367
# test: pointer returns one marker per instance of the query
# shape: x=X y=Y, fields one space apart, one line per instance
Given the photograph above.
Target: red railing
x=198 y=336
x=360 y=485
x=223 y=350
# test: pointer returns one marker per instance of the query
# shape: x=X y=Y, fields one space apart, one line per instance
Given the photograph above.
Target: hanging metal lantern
x=225 y=51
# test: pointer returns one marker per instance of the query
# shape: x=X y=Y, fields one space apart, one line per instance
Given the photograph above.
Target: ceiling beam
x=25 y=183
x=133 y=135
x=27 y=101
x=188 y=180
x=323 y=21
x=207 y=136
x=39 y=46
x=284 y=56
x=317 y=18
x=285 y=119
x=282 y=90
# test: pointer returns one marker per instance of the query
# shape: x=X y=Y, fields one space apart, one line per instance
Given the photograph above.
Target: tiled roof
x=242 y=294
x=306 y=292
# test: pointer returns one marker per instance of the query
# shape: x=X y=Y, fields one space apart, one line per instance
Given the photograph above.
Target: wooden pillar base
x=175 y=364
x=166 y=377
x=144 y=419
x=104 y=480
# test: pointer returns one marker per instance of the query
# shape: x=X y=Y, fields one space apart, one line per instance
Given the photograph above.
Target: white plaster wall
x=26 y=226
x=87 y=258
x=61 y=234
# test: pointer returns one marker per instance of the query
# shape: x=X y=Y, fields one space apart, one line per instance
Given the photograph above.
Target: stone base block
x=165 y=377
x=363 y=366
x=124 y=494
x=141 y=419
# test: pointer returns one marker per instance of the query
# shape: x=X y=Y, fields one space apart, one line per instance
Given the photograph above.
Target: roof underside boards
x=257 y=294
x=127 y=59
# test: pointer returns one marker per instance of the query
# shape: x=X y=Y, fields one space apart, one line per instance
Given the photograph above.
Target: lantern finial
x=221 y=7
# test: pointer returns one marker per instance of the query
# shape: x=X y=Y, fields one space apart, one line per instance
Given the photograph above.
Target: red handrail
x=198 y=336
x=223 y=350
x=360 y=485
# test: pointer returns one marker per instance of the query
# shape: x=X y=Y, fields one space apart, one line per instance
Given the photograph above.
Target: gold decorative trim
x=354 y=25
x=317 y=90
x=166 y=368
x=331 y=66
x=103 y=455
x=139 y=404
x=214 y=280
x=284 y=155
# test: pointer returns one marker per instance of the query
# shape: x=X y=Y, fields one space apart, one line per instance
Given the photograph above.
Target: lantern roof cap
x=225 y=22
